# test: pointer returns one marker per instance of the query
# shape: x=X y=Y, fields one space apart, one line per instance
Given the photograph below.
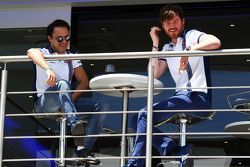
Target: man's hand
x=154 y=34
x=183 y=64
x=51 y=81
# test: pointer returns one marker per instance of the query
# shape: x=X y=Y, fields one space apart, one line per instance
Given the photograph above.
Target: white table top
x=120 y=80
x=241 y=126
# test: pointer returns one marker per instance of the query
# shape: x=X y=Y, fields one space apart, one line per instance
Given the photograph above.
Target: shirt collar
x=51 y=51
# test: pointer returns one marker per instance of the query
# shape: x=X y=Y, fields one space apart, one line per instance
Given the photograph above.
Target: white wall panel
x=33 y=16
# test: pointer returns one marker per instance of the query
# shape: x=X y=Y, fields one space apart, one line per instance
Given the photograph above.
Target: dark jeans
x=163 y=144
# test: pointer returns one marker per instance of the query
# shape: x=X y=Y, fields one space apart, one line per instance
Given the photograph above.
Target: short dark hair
x=56 y=23
x=167 y=12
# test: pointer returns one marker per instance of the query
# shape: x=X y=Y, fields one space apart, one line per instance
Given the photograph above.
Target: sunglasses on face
x=60 y=38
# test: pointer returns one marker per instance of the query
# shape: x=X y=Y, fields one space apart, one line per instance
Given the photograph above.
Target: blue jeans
x=185 y=100
x=94 y=120
x=56 y=102
x=62 y=101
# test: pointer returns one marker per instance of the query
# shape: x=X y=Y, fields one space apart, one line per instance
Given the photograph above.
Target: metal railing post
x=62 y=141
x=183 y=127
x=124 y=127
x=149 y=114
x=2 y=109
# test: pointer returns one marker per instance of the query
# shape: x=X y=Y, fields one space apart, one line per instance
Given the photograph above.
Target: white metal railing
x=130 y=55
x=121 y=55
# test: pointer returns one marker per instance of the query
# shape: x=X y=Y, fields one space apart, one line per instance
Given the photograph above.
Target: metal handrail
x=131 y=134
x=126 y=157
x=128 y=89
x=120 y=55
x=120 y=112
x=129 y=55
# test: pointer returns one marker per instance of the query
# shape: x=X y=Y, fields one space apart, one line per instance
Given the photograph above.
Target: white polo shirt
x=198 y=79
x=63 y=69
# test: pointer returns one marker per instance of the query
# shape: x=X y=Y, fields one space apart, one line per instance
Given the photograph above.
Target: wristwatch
x=188 y=48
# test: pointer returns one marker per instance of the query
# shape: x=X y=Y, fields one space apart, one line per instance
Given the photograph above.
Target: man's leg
x=185 y=100
x=163 y=144
x=94 y=120
x=155 y=161
x=93 y=125
x=61 y=102
x=67 y=105
x=159 y=142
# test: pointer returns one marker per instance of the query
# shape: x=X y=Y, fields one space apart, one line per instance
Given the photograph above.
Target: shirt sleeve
x=44 y=51
x=165 y=48
x=193 y=37
x=76 y=63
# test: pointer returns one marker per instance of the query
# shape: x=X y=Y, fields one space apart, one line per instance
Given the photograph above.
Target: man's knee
x=63 y=85
x=142 y=114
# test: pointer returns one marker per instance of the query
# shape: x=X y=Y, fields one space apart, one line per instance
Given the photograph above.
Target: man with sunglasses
x=56 y=75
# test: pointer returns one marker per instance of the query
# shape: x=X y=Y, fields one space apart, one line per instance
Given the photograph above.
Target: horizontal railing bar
x=202 y=157
x=130 y=134
x=56 y=159
x=126 y=89
x=129 y=112
x=127 y=157
x=129 y=55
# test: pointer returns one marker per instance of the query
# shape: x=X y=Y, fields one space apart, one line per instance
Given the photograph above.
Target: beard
x=173 y=35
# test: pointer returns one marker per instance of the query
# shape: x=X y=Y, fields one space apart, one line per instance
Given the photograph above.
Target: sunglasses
x=60 y=38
